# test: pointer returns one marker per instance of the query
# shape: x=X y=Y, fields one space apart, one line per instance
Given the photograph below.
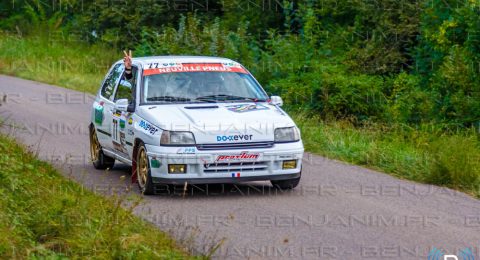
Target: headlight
x=177 y=138
x=287 y=134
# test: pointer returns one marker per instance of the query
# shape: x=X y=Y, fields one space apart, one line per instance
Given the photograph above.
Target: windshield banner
x=157 y=68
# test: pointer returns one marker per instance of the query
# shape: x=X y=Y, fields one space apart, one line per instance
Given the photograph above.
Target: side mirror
x=276 y=100
x=121 y=105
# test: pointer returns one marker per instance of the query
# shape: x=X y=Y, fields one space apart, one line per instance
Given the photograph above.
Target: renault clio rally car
x=194 y=120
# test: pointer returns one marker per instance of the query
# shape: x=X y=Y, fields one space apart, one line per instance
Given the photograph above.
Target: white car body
x=234 y=141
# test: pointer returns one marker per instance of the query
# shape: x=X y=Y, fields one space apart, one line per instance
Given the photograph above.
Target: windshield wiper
x=167 y=98
x=213 y=98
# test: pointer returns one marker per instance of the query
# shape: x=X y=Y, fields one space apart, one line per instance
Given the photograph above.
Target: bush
x=456 y=162
x=448 y=60
x=408 y=103
x=334 y=94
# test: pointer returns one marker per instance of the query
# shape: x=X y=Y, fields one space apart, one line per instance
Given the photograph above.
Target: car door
x=122 y=125
x=104 y=105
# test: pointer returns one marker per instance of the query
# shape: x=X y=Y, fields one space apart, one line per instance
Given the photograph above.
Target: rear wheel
x=286 y=184
x=144 y=177
x=99 y=159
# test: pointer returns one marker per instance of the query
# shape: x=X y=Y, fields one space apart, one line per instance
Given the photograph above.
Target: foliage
x=334 y=92
x=448 y=60
x=407 y=102
x=376 y=36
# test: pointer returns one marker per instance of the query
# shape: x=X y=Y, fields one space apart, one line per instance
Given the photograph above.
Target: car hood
x=219 y=122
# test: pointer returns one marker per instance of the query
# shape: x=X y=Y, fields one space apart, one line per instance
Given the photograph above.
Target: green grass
x=44 y=215
x=427 y=155
x=56 y=61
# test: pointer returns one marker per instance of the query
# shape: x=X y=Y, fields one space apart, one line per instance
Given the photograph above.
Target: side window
x=126 y=86
x=109 y=84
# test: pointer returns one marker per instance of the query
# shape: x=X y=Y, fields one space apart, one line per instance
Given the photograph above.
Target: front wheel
x=144 y=177
x=99 y=159
x=286 y=184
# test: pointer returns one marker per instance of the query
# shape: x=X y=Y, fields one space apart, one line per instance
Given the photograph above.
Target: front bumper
x=181 y=181
x=203 y=167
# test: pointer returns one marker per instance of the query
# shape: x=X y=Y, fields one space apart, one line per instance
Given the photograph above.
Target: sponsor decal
x=224 y=138
x=246 y=107
x=122 y=123
x=154 y=163
x=186 y=150
x=99 y=114
x=154 y=68
x=122 y=138
x=117 y=146
x=206 y=165
x=130 y=132
x=244 y=156
x=120 y=146
x=130 y=121
x=148 y=127
x=156 y=65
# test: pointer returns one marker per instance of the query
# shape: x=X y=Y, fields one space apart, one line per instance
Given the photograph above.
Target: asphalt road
x=339 y=211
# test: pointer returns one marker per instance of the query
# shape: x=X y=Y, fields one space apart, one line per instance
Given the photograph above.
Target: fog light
x=177 y=168
x=289 y=164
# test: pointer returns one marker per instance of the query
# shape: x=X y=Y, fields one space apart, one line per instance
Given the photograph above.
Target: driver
x=213 y=83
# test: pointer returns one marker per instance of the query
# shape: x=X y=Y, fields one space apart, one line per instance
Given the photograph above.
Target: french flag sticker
x=235 y=175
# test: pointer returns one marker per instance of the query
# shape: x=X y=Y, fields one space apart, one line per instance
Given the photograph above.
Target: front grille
x=230 y=146
x=235 y=167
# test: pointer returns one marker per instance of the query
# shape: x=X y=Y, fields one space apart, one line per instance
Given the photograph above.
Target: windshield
x=192 y=87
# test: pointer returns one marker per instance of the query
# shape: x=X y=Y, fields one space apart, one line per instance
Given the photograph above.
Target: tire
x=144 y=176
x=286 y=184
x=99 y=159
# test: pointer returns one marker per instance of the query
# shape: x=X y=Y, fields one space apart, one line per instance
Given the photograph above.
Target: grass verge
x=56 y=60
x=44 y=215
x=427 y=155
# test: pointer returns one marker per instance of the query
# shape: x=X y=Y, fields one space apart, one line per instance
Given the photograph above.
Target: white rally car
x=191 y=119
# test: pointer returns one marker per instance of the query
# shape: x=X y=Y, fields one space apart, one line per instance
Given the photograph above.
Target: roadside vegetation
x=393 y=85
x=45 y=216
x=55 y=60
x=428 y=154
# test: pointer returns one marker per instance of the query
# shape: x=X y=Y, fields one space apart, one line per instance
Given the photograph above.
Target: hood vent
x=200 y=107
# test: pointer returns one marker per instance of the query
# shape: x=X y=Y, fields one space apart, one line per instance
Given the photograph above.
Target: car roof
x=179 y=59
